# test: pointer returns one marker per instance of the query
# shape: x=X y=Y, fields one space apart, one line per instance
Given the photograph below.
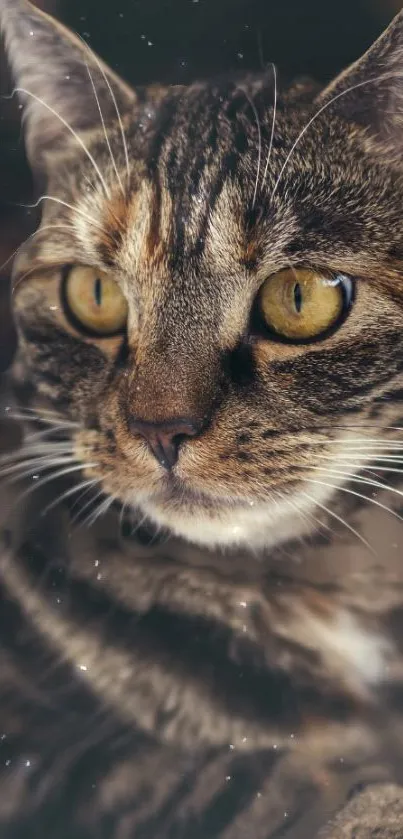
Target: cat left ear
x=370 y=92
x=64 y=87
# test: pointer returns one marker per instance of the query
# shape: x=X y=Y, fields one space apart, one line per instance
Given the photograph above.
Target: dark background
x=176 y=41
x=179 y=40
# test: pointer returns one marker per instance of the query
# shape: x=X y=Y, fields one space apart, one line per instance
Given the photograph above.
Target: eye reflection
x=300 y=304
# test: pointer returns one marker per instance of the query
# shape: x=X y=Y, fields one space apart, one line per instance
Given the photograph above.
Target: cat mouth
x=221 y=519
x=181 y=494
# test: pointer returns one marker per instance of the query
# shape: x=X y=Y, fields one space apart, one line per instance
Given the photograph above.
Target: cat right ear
x=64 y=87
x=370 y=92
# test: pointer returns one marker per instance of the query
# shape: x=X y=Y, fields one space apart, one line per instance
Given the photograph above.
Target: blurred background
x=176 y=41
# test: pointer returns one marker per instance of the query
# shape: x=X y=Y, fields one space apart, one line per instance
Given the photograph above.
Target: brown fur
x=284 y=643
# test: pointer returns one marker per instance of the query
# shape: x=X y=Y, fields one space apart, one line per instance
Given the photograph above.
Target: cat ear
x=370 y=92
x=59 y=80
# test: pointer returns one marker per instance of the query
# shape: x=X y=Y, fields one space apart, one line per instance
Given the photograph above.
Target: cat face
x=214 y=296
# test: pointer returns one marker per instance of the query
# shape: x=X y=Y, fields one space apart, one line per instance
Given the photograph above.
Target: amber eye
x=94 y=301
x=300 y=304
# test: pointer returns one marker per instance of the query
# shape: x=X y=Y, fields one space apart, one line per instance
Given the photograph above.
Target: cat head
x=214 y=296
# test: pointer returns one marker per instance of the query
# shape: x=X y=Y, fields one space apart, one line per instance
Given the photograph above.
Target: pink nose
x=165 y=438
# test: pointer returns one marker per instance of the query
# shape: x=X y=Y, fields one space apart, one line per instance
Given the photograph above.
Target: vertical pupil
x=298 y=297
x=98 y=291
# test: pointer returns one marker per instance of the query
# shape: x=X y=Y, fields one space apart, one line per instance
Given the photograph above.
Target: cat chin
x=256 y=526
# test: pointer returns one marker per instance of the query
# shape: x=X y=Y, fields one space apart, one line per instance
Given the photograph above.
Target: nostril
x=178 y=439
x=165 y=438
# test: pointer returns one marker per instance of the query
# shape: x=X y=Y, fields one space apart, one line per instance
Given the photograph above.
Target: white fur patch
x=366 y=652
x=358 y=653
x=257 y=524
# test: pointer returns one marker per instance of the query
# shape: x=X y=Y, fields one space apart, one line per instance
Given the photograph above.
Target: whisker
x=101 y=510
x=74 y=133
x=121 y=515
x=42 y=465
x=28 y=453
x=341 y=521
x=28 y=239
x=361 y=443
x=42 y=440
x=139 y=524
x=31 y=458
x=383 y=445
x=62 y=203
x=20 y=280
x=113 y=97
x=370 y=472
x=104 y=130
x=68 y=493
x=305 y=514
x=85 y=506
x=385 y=427
x=272 y=125
x=352 y=476
x=59 y=474
x=45 y=419
x=366 y=498
x=320 y=111
x=393 y=458
x=84 y=493
x=38 y=412
x=259 y=131
x=39 y=435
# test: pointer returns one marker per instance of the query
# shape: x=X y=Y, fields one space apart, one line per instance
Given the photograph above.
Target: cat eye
x=93 y=301
x=300 y=304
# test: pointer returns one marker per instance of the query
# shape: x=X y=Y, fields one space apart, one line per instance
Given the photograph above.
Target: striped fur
x=232 y=628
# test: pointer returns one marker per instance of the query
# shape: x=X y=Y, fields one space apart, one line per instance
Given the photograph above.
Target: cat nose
x=165 y=438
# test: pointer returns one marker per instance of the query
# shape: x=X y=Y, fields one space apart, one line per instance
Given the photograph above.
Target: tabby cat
x=210 y=374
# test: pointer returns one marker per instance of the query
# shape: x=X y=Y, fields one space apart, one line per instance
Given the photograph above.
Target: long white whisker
x=68 y=493
x=137 y=526
x=30 y=459
x=33 y=454
x=47 y=418
x=319 y=112
x=121 y=515
x=354 y=479
x=16 y=285
x=36 y=467
x=385 y=427
x=85 y=506
x=101 y=510
x=386 y=445
x=35 y=443
x=38 y=411
x=74 y=133
x=60 y=474
x=36 y=233
x=391 y=458
x=304 y=513
x=62 y=203
x=341 y=521
x=40 y=435
x=259 y=131
x=47 y=421
x=272 y=125
x=359 y=443
x=85 y=492
x=104 y=130
x=366 y=498
x=113 y=97
x=376 y=441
